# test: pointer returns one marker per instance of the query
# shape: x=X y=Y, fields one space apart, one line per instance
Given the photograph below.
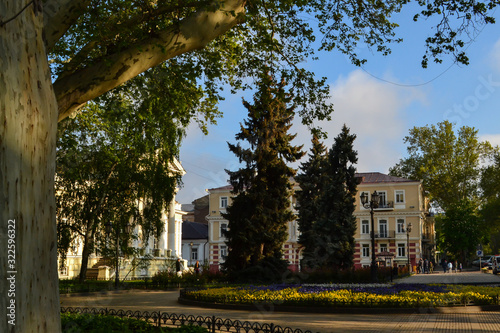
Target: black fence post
x=213 y=324
x=159 y=318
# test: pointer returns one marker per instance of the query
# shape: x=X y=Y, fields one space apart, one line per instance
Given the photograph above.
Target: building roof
x=366 y=178
x=194 y=230
x=222 y=188
x=377 y=177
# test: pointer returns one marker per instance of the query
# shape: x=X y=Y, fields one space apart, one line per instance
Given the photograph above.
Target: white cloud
x=375 y=112
x=495 y=56
x=494 y=139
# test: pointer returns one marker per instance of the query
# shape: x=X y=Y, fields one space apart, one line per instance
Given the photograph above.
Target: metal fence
x=164 y=319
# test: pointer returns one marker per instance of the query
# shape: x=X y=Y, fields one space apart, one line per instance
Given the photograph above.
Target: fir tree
x=260 y=210
x=311 y=183
x=336 y=223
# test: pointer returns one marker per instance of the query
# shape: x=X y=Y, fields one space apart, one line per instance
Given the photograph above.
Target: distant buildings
x=195 y=232
x=401 y=203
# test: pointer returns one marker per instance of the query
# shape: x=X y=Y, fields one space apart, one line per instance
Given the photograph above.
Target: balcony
x=386 y=235
x=388 y=205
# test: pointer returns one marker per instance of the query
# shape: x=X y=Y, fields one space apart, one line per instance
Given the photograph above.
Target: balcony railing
x=388 y=205
x=387 y=234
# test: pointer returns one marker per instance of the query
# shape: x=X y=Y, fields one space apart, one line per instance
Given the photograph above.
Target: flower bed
x=351 y=295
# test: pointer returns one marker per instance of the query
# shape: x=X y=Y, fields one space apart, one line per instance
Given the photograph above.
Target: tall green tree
x=462 y=229
x=311 y=182
x=260 y=209
x=95 y=46
x=490 y=208
x=336 y=225
x=449 y=163
x=116 y=154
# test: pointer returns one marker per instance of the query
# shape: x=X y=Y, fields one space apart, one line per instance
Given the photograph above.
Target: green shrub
x=79 y=323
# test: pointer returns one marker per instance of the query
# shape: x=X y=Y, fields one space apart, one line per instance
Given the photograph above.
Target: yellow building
x=401 y=203
x=219 y=200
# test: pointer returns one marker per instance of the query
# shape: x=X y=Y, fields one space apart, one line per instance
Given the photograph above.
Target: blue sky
x=379 y=103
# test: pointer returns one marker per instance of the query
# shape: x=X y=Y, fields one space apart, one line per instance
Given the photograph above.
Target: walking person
x=178 y=267
x=197 y=267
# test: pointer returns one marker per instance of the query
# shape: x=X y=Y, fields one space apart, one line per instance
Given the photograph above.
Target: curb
x=351 y=310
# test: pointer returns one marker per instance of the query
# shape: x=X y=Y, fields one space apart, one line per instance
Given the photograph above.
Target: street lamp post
x=372 y=204
x=408 y=230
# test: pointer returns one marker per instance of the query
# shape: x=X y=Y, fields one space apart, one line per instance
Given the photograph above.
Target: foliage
x=490 y=209
x=280 y=33
x=169 y=279
x=462 y=229
x=336 y=225
x=117 y=154
x=76 y=323
x=310 y=181
x=448 y=163
x=260 y=210
x=352 y=295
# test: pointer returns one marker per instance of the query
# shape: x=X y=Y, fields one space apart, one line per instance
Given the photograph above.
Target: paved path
x=166 y=301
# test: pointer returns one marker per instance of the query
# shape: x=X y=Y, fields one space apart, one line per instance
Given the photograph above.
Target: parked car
x=495 y=264
x=484 y=261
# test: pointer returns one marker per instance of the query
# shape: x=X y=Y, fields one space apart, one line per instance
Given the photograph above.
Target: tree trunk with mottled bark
x=28 y=122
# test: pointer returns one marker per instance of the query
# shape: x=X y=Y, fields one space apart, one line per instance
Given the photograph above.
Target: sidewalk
x=474 y=277
x=166 y=301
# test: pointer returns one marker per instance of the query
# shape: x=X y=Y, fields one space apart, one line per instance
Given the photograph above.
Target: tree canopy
x=96 y=45
x=449 y=163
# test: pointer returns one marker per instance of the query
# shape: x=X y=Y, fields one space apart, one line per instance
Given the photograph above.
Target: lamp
x=372 y=204
x=408 y=230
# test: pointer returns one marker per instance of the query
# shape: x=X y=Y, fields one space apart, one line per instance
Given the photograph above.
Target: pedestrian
x=420 y=264
x=444 y=264
x=460 y=267
x=197 y=267
x=178 y=267
x=450 y=267
x=431 y=267
x=456 y=266
x=426 y=266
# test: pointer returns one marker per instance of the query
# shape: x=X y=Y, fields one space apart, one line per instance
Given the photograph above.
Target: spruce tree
x=311 y=184
x=336 y=224
x=260 y=210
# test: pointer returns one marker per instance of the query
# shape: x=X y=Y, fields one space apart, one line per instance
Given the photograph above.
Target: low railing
x=213 y=324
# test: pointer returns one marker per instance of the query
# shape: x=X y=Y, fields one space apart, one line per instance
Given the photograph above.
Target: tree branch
x=58 y=16
x=192 y=33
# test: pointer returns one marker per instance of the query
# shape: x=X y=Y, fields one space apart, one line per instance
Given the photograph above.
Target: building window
x=382 y=227
x=400 y=223
x=223 y=229
x=400 y=196
x=365 y=227
x=194 y=253
x=383 y=247
x=223 y=202
x=382 y=199
x=368 y=196
x=366 y=250
x=223 y=252
x=401 y=250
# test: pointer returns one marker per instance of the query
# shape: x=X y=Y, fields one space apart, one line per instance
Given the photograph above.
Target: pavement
x=463 y=319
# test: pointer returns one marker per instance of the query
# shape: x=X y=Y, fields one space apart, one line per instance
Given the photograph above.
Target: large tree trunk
x=28 y=122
